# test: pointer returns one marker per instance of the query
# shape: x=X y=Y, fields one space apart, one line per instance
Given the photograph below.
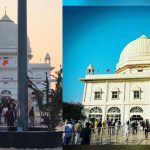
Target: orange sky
x=44 y=27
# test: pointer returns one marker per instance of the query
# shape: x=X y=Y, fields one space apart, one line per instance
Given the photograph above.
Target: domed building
x=124 y=95
x=8 y=61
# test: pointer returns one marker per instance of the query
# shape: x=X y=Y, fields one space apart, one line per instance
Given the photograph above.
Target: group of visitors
x=9 y=112
x=135 y=126
x=79 y=132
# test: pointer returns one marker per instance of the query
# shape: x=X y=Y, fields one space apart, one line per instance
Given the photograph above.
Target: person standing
x=31 y=116
x=146 y=128
x=1 y=110
x=126 y=131
x=96 y=126
x=77 y=132
x=86 y=135
x=68 y=129
x=99 y=127
x=10 y=117
x=5 y=109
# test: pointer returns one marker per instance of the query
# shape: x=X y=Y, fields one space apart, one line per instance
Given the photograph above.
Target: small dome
x=9 y=34
x=137 y=50
x=47 y=56
x=5 y=18
x=90 y=67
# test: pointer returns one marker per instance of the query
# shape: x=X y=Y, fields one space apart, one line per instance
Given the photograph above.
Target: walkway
x=134 y=139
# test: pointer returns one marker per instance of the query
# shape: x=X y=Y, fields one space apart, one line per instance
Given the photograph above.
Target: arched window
x=5 y=93
x=136 y=110
x=96 y=110
x=114 y=113
x=114 y=110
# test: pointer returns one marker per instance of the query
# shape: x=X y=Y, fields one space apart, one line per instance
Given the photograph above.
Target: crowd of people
x=8 y=111
x=79 y=132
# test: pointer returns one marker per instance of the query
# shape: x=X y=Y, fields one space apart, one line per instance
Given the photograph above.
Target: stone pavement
x=134 y=139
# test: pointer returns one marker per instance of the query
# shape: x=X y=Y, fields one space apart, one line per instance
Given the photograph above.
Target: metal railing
x=99 y=136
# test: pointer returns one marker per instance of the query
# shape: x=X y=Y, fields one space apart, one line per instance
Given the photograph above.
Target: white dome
x=9 y=35
x=136 y=52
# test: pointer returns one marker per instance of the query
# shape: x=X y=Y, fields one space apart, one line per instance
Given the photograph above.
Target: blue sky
x=97 y=35
x=105 y=2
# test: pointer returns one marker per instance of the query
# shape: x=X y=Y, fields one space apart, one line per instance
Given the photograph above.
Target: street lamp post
x=22 y=67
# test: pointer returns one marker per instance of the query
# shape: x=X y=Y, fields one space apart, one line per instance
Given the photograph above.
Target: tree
x=72 y=111
x=49 y=100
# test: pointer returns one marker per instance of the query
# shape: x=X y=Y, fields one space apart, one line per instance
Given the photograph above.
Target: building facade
x=8 y=61
x=124 y=95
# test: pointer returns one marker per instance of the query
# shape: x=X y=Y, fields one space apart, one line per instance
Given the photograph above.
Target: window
x=115 y=95
x=137 y=92
x=114 y=110
x=136 y=110
x=140 y=70
x=98 y=96
x=136 y=95
x=96 y=110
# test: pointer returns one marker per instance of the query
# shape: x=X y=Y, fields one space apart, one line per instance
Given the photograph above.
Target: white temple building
x=124 y=95
x=8 y=61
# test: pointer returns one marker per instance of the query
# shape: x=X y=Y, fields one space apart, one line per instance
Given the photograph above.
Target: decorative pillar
x=22 y=67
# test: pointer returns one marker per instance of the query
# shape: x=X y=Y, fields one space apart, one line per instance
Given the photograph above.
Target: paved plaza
x=134 y=139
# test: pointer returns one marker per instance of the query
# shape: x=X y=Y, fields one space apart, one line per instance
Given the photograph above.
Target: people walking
x=31 y=116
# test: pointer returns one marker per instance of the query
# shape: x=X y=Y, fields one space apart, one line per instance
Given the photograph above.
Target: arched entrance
x=136 y=113
x=6 y=93
x=113 y=113
x=95 y=113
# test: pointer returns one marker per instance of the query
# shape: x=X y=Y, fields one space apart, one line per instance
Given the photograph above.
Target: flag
x=5 y=62
x=108 y=70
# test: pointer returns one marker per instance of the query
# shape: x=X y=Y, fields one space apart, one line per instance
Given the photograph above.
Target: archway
x=95 y=113
x=6 y=93
x=136 y=113
x=113 y=113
